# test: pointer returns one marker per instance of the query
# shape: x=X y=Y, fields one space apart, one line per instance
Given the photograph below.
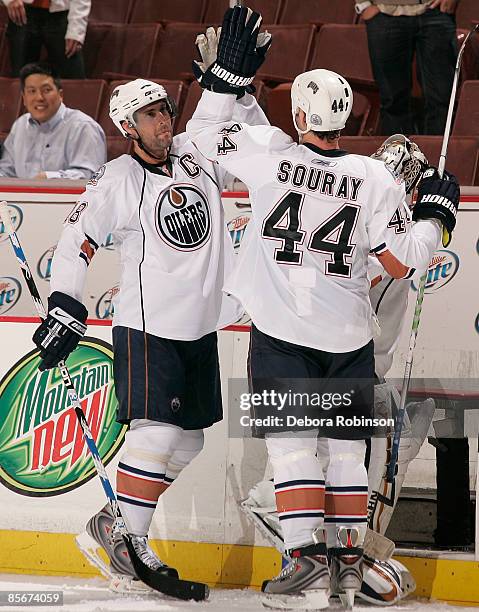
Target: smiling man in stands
x=51 y=140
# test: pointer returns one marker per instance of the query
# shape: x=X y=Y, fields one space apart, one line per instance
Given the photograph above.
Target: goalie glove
x=59 y=334
x=240 y=52
x=438 y=198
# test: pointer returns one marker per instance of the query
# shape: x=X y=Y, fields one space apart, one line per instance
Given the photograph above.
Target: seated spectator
x=51 y=140
x=58 y=25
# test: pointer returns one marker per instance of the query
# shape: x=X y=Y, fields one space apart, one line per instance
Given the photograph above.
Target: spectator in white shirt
x=51 y=140
x=59 y=25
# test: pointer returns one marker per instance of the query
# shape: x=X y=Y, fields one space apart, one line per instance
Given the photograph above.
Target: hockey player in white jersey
x=163 y=206
x=317 y=212
x=385 y=581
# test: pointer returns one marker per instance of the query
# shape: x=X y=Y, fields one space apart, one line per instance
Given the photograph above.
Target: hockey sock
x=346 y=490
x=189 y=446
x=299 y=487
x=149 y=447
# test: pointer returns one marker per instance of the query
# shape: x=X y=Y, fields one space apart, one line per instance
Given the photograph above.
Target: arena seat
x=343 y=48
x=84 y=94
x=292 y=50
x=116 y=146
x=4 y=54
x=174 y=88
x=462 y=155
x=10 y=102
x=466 y=122
x=119 y=48
x=467 y=13
x=145 y=11
x=110 y=11
x=175 y=51
x=191 y=100
x=361 y=145
x=317 y=11
x=278 y=110
x=269 y=9
x=470 y=59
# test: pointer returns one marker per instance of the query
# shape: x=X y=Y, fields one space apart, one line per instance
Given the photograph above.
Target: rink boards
x=198 y=524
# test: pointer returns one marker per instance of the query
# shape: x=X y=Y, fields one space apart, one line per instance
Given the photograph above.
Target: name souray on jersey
x=319 y=179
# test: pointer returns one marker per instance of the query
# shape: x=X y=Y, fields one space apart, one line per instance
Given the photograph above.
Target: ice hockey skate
x=304 y=583
x=346 y=563
x=99 y=536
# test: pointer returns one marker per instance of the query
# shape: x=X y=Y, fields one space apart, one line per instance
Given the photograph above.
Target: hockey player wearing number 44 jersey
x=317 y=213
x=163 y=206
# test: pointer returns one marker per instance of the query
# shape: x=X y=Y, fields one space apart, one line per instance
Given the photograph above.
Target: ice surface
x=92 y=595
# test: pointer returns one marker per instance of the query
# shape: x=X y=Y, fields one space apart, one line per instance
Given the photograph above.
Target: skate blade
x=347 y=598
x=127 y=585
x=92 y=551
x=315 y=599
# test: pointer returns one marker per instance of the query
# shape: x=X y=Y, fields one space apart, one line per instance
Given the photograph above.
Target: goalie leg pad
x=385 y=582
x=382 y=496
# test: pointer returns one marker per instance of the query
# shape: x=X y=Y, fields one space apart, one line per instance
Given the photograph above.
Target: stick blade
x=173 y=587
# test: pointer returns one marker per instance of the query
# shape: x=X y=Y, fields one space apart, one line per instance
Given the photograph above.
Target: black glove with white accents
x=241 y=51
x=60 y=333
x=438 y=198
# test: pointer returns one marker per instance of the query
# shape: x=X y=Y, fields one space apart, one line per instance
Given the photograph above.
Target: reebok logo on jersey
x=183 y=217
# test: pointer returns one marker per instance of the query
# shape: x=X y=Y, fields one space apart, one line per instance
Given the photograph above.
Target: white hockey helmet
x=325 y=97
x=403 y=158
x=128 y=98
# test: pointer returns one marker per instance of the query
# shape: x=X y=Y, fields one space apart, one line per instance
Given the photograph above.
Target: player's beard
x=158 y=145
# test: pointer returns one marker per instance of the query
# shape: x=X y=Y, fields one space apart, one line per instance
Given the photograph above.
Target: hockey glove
x=60 y=333
x=438 y=199
x=239 y=55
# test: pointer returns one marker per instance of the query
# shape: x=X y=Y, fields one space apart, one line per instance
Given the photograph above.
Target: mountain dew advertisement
x=42 y=450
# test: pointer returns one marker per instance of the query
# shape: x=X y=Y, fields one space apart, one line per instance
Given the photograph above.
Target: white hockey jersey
x=389 y=297
x=174 y=246
x=302 y=273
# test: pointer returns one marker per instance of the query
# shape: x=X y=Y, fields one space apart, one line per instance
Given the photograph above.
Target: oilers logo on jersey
x=183 y=217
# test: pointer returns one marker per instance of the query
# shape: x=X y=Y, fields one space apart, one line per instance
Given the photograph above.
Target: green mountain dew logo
x=42 y=450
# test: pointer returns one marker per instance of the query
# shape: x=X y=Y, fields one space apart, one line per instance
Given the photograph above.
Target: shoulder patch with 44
x=236 y=127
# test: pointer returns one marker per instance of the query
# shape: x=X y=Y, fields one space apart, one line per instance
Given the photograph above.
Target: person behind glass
x=59 y=25
x=398 y=29
x=51 y=140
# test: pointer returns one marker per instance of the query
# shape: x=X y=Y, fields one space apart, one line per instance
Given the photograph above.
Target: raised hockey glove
x=241 y=51
x=438 y=198
x=59 y=334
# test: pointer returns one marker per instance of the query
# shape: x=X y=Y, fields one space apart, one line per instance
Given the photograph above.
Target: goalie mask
x=403 y=158
x=126 y=99
x=326 y=99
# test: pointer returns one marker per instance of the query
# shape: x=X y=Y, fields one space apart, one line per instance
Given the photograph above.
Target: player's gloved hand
x=240 y=52
x=438 y=198
x=59 y=334
x=207 y=45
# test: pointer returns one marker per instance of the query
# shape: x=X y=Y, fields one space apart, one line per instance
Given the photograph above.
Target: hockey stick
x=391 y=469
x=174 y=587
